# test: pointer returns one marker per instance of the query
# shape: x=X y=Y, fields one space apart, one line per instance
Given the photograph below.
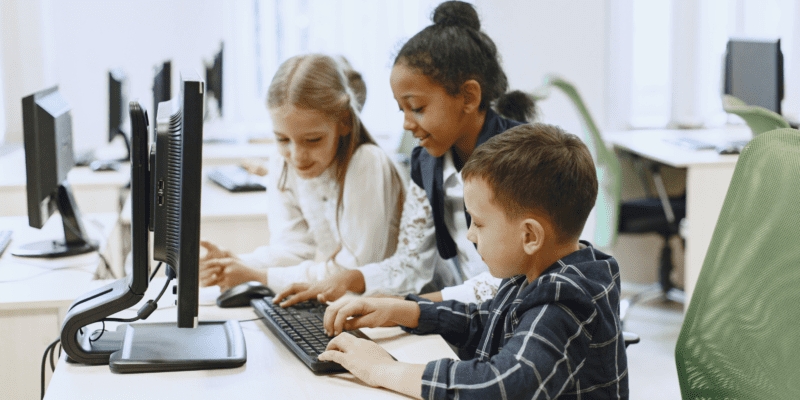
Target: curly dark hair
x=454 y=50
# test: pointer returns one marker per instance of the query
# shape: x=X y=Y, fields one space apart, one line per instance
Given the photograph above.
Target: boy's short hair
x=538 y=168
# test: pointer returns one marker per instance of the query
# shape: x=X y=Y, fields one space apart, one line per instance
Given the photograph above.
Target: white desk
x=95 y=192
x=271 y=371
x=236 y=221
x=708 y=175
x=35 y=294
x=224 y=154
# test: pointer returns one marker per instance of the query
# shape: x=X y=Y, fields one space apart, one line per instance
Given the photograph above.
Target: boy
x=552 y=330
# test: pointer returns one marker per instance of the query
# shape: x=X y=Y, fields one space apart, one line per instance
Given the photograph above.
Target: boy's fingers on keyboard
x=354 y=308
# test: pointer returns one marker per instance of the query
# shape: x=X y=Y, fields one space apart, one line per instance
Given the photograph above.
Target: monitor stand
x=159 y=347
x=74 y=232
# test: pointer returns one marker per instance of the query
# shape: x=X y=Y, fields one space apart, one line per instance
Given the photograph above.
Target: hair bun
x=456 y=13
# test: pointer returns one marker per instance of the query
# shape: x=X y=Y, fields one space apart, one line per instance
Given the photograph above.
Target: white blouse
x=303 y=224
x=417 y=263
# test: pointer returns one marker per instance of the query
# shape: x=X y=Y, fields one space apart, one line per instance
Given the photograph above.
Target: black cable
x=248 y=320
x=155 y=271
x=146 y=309
x=101 y=332
x=96 y=249
x=44 y=361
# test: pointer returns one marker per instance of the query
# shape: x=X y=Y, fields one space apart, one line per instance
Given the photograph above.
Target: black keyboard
x=300 y=329
x=236 y=179
x=691 y=143
x=5 y=239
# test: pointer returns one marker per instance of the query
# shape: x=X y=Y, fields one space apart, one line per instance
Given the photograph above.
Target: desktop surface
x=271 y=371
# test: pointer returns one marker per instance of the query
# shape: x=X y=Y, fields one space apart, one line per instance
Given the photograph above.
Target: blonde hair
x=321 y=83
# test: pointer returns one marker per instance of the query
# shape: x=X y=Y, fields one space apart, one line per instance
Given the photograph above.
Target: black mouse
x=240 y=295
x=728 y=150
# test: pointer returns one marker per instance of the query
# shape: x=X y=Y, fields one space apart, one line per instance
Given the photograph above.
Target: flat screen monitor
x=176 y=176
x=214 y=78
x=754 y=72
x=118 y=108
x=47 y=136
x=165 y=188
x=162 y=85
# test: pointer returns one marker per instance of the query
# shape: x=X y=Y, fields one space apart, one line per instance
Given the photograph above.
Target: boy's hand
x=373 y=365
x=330 y=289
x=370 y=313
x=363 y=358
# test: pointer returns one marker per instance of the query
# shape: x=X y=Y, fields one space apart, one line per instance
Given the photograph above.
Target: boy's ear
x=471 y=92
x=533 y=235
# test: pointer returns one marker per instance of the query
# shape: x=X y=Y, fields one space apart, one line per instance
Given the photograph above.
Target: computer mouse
x=240 y=295
x=728 y=150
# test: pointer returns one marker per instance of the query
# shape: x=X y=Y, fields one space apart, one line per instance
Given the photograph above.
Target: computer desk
x=708 y=175
x=235 y=221
x=95 y=192
x=271 y=370
x=35 y=294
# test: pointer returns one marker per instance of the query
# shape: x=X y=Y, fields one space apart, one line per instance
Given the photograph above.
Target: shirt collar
x=449 y=167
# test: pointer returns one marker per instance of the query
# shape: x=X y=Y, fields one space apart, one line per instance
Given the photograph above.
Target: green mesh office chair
x=759 y=119
x=739 y=339
x=609 y=175
x=655 y=214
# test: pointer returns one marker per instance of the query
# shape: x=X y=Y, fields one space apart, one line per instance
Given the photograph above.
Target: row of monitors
x=162 y=91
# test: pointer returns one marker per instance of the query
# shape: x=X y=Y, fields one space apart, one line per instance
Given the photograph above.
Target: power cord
x=96 y=249
x=142 y=314
x=51 y=349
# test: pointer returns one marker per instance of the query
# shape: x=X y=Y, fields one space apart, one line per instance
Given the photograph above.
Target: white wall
x=74 y=44
x=550 y=36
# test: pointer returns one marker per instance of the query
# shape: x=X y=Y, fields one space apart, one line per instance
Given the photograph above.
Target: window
x=367 y=32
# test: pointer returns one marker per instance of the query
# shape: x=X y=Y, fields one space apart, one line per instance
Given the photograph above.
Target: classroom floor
x=651 y=362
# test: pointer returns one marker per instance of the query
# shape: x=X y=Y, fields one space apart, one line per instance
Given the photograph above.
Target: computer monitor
x=754 y=72
x=47 y=133
x=165 y=190
x=176 y=161
x=214 y=78
x=118 y=107
x=162 y=85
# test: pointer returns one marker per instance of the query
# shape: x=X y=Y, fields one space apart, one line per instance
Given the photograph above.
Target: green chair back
x=739 y=338
x=609 y=175
x=759 y=119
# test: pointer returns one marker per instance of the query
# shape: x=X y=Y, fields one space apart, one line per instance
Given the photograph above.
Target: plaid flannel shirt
x=559 y=338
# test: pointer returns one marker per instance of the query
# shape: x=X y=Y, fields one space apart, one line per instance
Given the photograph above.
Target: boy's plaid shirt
x=559 y=338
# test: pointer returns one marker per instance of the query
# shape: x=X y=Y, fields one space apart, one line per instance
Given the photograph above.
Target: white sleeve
x=368 y=222
x=416 y=260
x=291 y=241
x=476 y=290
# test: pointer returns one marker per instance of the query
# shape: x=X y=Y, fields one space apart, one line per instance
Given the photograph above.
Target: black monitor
x=47 y=132
x=165 y=193
x=118 y=107
x=162 y=85
x=754 y=72
x=214 y=78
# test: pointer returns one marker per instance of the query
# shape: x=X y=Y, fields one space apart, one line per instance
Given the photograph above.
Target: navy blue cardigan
x=428 y=173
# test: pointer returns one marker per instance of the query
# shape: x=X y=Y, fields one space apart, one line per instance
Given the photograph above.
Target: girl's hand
x=229 y=272
x=213 y=252
x=330 y=289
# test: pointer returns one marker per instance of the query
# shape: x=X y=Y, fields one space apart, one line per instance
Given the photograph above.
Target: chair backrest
x=609 y=175
x=740 y=337
x=759 y=119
